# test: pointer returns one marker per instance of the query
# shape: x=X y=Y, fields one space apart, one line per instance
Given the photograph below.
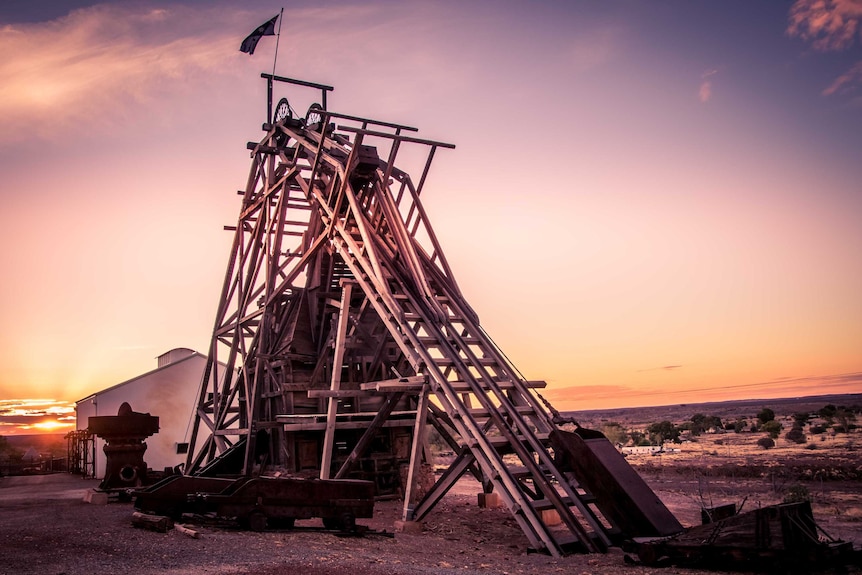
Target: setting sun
x=52 y=425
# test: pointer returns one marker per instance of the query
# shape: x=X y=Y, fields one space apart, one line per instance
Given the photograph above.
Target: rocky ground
x=46 y=528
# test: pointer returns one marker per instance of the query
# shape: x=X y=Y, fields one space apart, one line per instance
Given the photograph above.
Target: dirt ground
x=46 y=528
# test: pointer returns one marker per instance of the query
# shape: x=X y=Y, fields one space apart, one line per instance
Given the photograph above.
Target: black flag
x=265 y=29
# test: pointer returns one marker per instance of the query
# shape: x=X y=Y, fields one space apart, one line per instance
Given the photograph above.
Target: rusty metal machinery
x=261 y=502
x=344 y=335
x=124 y=436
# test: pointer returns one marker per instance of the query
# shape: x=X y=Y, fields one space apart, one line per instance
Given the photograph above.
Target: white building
x=169 y=392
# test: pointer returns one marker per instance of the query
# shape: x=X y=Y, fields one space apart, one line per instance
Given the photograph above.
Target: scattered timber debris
x=158 y=523
x=780 y=537
x=186 y=531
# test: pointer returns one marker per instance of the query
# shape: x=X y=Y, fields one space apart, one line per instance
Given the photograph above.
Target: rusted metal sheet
x=621 y=494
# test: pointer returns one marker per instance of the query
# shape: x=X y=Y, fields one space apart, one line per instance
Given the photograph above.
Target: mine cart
x=277 y=502
x=171 y=495
x=258 y=502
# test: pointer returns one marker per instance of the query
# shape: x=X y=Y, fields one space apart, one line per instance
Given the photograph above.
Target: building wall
x=169 y=392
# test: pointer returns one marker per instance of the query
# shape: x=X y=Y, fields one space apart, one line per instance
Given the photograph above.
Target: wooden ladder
x=503 y=426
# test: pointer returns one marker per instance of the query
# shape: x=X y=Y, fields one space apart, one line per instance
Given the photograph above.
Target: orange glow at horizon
x=52 y=425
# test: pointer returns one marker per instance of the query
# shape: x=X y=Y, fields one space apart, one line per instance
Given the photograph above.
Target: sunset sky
x=649 y=203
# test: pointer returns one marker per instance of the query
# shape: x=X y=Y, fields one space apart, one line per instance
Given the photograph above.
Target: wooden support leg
x=416 y=452
x=370 y=432
x=338 y=359
x=453 y=473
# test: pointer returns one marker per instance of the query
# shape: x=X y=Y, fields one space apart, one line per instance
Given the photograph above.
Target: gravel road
x=47 y=529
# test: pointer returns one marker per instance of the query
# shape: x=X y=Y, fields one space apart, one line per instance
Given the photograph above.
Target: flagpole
x=277 y=38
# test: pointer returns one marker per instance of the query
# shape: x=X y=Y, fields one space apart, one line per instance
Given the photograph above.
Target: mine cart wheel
x=282 y=111
x=282 y=522
x=347 y=522
x=330 y=522
x=257 y=521
x=344 y=522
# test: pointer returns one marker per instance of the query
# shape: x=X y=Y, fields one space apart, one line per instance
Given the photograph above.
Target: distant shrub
x=796 y=493
x=772 y=427
x=811 y=446
x=817 y=429
x=765 y=415
x=795 y=435
x=801 y=418
x=827 y=411
x=766 y=442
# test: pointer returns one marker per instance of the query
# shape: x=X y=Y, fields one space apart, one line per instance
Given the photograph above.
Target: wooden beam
x=345 y=425
x=365 y=441
x=416 y=452
x=342 y=393
x=452 y=474
x=363 y=415
x=338 y=359
x=412 y=383
x=399 y=137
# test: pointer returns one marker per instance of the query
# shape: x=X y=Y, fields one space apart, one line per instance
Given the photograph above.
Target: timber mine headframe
x=345 y=335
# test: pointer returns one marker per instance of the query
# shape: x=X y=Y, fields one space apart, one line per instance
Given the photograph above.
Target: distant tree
x=615 y=433
x=699 y=423
x=827 y=412
x=765 y=415
x=663 y=431
x=766 y=442
x=816 y=429
x=696 y=424
x=772 y=427
x=801 y=418
x=795 y=435
x=739 y=425
x=844 y=418
x=639 y=438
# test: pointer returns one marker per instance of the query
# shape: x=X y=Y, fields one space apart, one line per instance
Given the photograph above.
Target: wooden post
x=416 y=452
x=337 y=360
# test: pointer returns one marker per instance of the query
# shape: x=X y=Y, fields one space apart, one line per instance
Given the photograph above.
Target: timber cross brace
x=344 y=336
